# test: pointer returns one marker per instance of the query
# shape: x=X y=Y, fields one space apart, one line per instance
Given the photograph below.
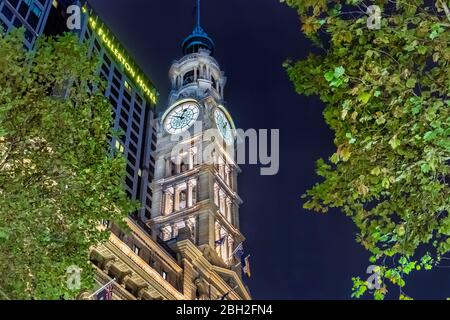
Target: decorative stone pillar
x=190 y=188
x=191 y=159
x=168 y=168
x=216 y=195
x=228 y=210
x=168 y=201
x=176 y=199
x=230 y=249
x=217 y=236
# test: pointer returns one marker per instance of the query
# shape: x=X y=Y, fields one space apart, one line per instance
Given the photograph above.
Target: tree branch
x=446 y=9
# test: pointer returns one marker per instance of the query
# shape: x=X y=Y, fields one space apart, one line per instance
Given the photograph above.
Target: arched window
x=183 y=199
x=183 y=167
x=188 y=77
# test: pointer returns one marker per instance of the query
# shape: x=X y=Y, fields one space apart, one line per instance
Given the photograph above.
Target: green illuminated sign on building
x=120 y=55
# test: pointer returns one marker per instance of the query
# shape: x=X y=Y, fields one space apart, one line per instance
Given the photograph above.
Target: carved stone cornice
x=190 y=252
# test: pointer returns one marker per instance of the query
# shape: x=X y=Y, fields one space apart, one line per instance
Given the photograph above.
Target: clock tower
x=195 y=210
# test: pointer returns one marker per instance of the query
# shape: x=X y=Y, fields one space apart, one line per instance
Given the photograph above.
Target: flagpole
x=228 y=293
x=102 y=288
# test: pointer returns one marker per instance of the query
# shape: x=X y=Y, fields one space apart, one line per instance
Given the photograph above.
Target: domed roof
x=198 y=39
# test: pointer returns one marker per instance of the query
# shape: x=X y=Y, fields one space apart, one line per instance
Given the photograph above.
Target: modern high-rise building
x=182 y=243
x=30 y=14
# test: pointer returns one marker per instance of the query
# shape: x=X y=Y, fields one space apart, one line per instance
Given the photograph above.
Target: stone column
x=230 y=248
x=216 y=195
x=191 y=159
x=229 y=211
x=190 y=188
x=217 y=236
x=168 y=168
x=176 y=199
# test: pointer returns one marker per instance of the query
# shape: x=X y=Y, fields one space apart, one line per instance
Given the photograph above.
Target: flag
x=246 y=266
x=239 y=251
x=220 y=241
x=106 y=293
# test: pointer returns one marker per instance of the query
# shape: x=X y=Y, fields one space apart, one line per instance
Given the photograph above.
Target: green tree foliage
x=386 y=95
x=57 y=182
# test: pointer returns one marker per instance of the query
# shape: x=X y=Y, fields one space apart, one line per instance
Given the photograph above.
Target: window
x=136 y=117
x=131 y=159
x=148 y=214
x=126 y=105
x=29 y=35
x=188 y=78
x=23 y=8
x=105 y=69
x=130 y=170
x=13 y=3
x=113 y=102
x=119 y=147
x=36 y=11
x=136 y=249
x=124 y=115
x=118 y=73
x=17 y=23
x=134 y=138
x=123 y=125
x=116 y=82
x=127 y=95
x=33 y=18
x=97 y=45
x=133 y=148
x=114 y=92
x=139 y=99
x=137 y=108
x=129 y=182
x=107 y=60
x=183 y=199
x=135 y=127
x=127 y=86
x=7 y=13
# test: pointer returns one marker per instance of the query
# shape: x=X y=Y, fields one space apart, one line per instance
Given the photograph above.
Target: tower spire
x=198 y=39
x=198 y=13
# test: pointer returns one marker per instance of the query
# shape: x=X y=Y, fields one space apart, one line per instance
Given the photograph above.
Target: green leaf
x=364 y=97
x=329 y=76
x=425 y=168
x=394 y=142
x=339 y=71
x=411 y=83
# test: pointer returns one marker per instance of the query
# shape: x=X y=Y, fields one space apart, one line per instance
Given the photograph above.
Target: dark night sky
x=295 y=254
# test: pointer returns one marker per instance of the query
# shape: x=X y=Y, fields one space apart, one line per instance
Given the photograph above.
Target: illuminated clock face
x=182 y=117
x=224 y=126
